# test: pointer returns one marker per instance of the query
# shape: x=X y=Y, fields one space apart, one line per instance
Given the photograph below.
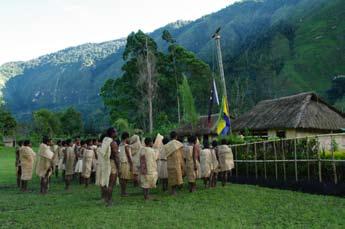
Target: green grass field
x=235 y=206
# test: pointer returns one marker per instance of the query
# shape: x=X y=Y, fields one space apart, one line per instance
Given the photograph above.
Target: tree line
x=157 y=89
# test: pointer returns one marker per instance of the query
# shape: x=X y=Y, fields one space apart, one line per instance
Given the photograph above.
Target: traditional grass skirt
x=79 y=166
x=125 y=171
x=148 y=181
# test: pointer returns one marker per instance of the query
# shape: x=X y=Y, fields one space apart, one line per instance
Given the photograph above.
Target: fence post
x=256 y=166
x=284 y=166
x=236 y=165
x=333 y=162
x=275 y=159
x=320 y=166
x=308 y=163
x=247 y=153
x=265 y=169
x=295 y=156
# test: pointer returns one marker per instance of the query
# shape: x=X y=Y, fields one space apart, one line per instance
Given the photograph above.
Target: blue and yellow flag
x=223 y=127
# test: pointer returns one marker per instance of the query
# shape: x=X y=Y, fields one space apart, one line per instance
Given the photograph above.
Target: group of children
x=142 y=162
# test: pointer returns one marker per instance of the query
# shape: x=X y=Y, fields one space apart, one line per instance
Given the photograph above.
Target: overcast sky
x=31 y=28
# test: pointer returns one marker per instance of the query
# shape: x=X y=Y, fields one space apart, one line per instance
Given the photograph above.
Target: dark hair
x=148 y=140
x=173 y=135
x=46 y=139
x=111 y=131
x=63 y=143
x=165 y=140
x=58 y=142
x=26 y=142
x=68 y=141
x=102 y=137
x=89 y=141
x=206 y=145
x=124 y=135
x=192 y=139
x=224 y=141
x=214 y=143
x=20 y=142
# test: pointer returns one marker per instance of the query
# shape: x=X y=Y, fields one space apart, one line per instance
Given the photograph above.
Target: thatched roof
x=301 y=111
x=201 y=128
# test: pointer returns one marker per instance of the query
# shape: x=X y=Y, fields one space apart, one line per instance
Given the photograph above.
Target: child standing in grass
x=126 y=166
x=69 y=158
x=45 y=163
x=206 y=164
x=226 y=160
x=88 y=156
x=148 y=167
x=27 y=158
x=215 y=165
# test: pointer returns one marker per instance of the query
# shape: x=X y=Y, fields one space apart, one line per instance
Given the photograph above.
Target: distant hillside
x=271 y=48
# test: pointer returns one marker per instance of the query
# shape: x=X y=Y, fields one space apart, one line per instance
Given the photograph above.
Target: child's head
x=148 y=142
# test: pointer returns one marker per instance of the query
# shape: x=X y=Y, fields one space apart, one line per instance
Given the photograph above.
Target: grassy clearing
x=231 y=207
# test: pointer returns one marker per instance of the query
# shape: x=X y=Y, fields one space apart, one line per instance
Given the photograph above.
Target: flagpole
x=220 y=63
x=216 y=37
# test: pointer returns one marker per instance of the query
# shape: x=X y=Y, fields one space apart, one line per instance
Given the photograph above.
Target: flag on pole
x=213 y=99
x=223 y=126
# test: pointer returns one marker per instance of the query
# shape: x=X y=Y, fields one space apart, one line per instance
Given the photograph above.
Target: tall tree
x=7 y=122
x=171 y=41
x=189 y=112
x=46 y=122
x=71 y=122
x=147 y=81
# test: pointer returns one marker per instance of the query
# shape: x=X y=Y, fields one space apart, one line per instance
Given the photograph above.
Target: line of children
x=103 y=162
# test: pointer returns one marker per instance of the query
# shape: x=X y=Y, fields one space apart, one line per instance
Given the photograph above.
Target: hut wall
x=291 y=133
x=272 y=133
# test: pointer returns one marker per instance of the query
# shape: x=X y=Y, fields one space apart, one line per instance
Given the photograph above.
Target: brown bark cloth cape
x=88 y=156
x=148 y=168
x=206 y=162
x=27 y=158
x=190 y=171
x=175 y=163
x=104 y=161
x=126 y=173
x=135 y=146
x=45 y=161
x=69 y=161
x=226 y=158
x=214 y=160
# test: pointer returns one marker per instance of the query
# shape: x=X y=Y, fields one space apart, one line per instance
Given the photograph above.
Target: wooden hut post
x=333 y=162
x=265 y=168
x=284 y=165
x=295 y=159
x=256 y=165
x=275 y=159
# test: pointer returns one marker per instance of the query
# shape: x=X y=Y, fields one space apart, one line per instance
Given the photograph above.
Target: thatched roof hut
x=201 y=128
x=305 y=111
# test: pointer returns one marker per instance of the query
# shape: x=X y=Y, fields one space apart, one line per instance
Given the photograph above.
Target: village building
x=294 y=116
x=201 y=128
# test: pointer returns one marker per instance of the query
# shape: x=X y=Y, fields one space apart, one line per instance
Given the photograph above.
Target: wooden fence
x=308 y=158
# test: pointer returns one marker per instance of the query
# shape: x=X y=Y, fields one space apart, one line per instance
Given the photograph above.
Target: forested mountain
x=271 y=48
